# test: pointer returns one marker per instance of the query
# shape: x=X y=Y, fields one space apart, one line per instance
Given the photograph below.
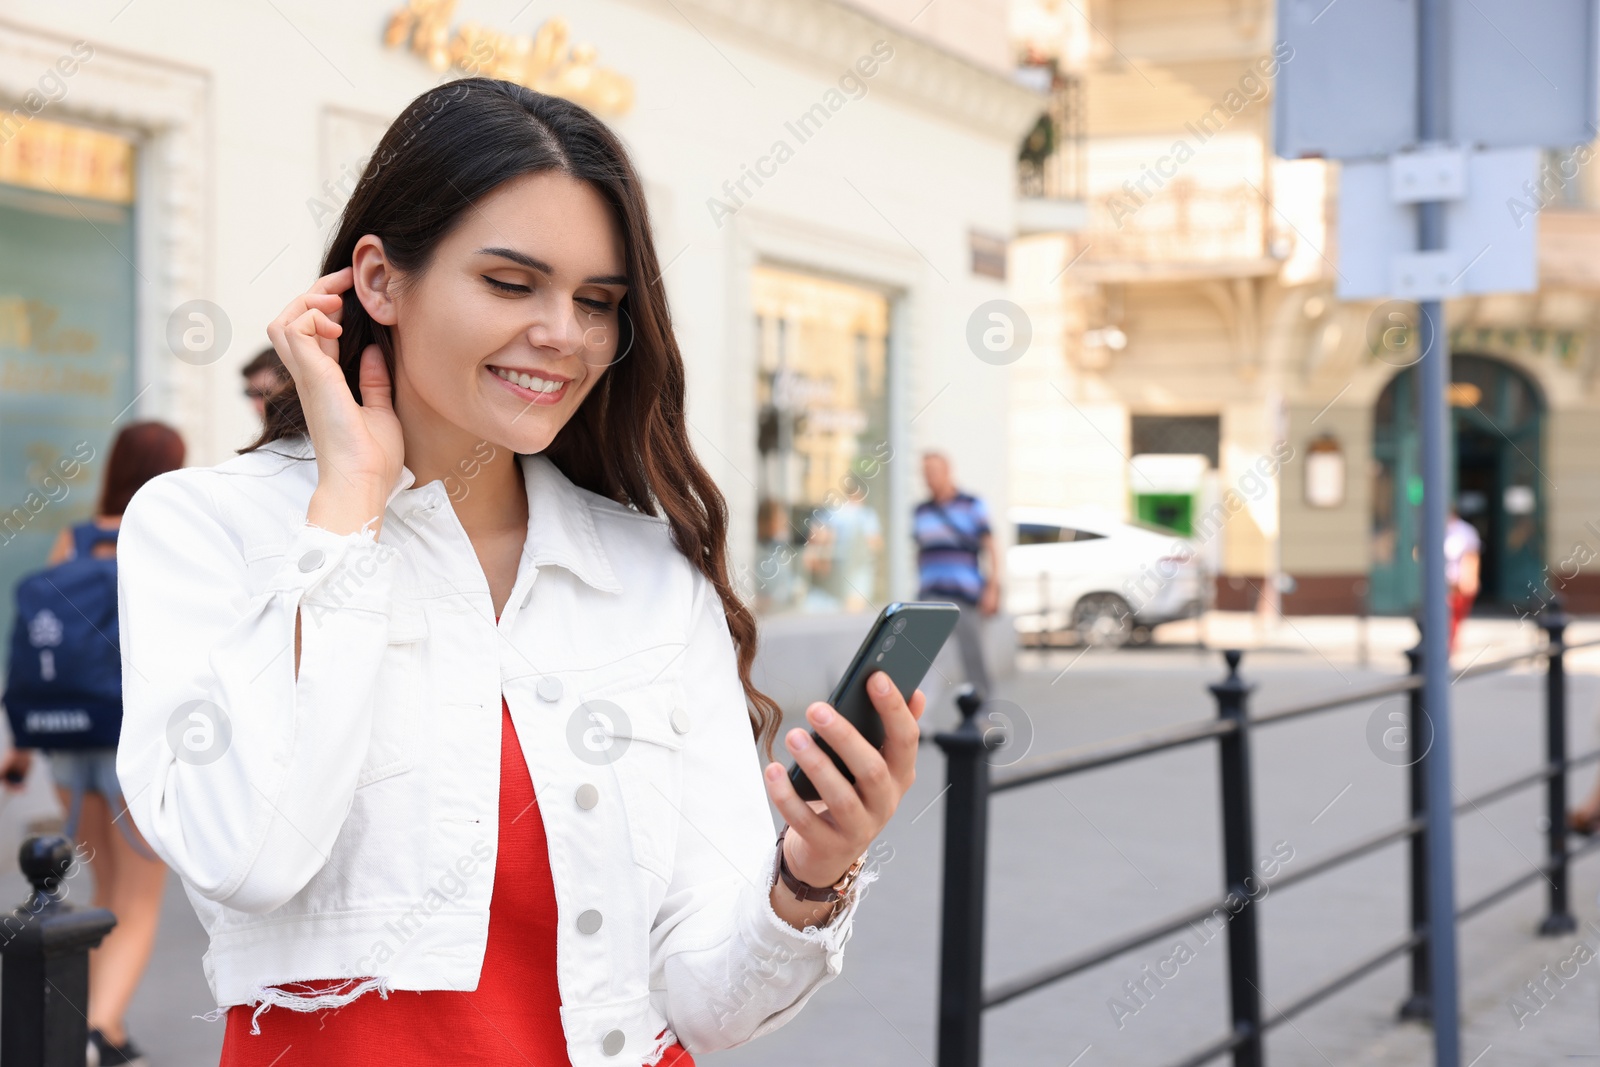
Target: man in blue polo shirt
x=951 y=529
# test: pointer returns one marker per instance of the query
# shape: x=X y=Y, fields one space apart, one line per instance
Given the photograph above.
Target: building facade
x=1193 y=312
x=827 y=182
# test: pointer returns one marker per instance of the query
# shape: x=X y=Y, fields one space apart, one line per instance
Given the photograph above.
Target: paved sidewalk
x=1077 y=863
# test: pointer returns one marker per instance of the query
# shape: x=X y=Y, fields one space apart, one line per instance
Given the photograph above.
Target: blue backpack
x=64 y=678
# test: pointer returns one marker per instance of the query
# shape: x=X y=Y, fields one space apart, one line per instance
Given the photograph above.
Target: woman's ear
x=374 y=280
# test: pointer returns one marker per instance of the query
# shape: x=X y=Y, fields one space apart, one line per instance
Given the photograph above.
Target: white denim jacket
x=344 y=825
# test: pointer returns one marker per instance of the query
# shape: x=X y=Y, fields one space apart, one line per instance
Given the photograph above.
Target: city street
x=1076 y=865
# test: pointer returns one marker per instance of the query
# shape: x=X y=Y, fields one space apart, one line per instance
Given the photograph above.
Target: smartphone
x=902 y=642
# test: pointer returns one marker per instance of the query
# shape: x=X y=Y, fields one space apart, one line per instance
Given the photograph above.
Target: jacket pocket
x=397 y=703
x=647 y=726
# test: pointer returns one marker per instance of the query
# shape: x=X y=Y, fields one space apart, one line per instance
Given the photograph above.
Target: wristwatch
x=805 y=891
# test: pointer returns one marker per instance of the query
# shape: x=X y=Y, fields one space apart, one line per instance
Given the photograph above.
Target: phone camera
x=888 y=643
x=899 y=624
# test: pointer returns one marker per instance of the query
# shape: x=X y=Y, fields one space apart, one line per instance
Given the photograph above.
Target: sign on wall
x=546 y=61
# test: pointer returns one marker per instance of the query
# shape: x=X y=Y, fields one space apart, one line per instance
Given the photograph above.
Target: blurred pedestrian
x=129 y=878
x=857 y=541
x=778 y=569
x=1462 y=551
x=264 y=375
x=952 y=532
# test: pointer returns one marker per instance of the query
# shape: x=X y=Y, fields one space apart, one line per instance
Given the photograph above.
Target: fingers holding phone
x=829 y=833
x=880 y=776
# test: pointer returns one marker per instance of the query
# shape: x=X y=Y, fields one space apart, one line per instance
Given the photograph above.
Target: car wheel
x=1103 y=620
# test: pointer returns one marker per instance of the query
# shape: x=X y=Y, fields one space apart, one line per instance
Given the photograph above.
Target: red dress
x=512 y=1017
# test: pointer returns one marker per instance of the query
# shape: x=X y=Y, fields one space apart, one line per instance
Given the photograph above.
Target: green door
x=1498 y=485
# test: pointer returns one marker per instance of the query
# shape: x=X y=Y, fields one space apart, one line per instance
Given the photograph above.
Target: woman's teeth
x=528 y=381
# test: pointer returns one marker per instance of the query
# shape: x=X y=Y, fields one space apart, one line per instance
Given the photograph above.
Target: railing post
x=44 y=984
x=1418 y=1005
x=1238 y=851
x=966 y=841
x=1554 y=621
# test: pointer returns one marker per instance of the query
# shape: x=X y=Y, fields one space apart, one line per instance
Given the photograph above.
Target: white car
x=1109 y=580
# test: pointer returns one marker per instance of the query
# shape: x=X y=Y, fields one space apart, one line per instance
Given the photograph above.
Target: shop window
x=66 y=330
x=822 y=437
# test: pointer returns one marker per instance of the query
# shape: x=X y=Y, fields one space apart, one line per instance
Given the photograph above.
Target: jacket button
x=680 y=720
x=311 y=560
x=549 y=687
x=589 y=921
x=612 y=1043
x=587 y=796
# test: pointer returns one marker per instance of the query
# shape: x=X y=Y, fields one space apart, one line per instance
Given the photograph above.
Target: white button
x=311 y=560
x=589 y=921
x=680 y=720
x=549 y=687
x=587 y=796
x=612 y=1043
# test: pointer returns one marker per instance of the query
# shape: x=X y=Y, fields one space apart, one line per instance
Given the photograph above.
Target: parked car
x=1110 y=581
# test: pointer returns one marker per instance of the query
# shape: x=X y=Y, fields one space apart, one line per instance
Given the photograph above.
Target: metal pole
x=966 y=834
x=1432 y=116
x=1238 y=850
x=1560 y=920
x=1417 y=1005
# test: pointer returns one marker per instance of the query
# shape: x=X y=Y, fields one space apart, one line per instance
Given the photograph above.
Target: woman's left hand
x=826 y=836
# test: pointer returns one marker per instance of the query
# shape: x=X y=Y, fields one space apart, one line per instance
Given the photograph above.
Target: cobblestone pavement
x=1078 y=862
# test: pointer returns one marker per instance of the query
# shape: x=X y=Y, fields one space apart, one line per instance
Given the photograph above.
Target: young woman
x=439 y=694
x=128 y=877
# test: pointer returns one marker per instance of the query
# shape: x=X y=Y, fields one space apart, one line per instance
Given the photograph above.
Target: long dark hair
x=140 y=452
x=453 y=145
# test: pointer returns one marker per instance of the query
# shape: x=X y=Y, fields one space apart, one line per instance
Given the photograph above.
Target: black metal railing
x=963 y=996
x=44 y=964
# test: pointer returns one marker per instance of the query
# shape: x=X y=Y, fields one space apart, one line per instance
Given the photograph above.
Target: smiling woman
x=536 y=693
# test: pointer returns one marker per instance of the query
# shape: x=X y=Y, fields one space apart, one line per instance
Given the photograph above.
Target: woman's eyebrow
x=545 y=268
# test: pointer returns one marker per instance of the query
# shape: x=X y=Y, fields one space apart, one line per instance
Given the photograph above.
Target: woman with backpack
x=128 y=877
x=439 y=693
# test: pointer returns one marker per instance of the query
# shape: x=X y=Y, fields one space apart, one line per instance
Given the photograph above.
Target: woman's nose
x=558 y=328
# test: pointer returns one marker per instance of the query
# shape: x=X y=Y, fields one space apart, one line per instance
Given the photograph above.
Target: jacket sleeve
x=733 y=970
x=238 y=774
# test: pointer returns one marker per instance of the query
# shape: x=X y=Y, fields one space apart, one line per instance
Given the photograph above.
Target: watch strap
x=804 y=890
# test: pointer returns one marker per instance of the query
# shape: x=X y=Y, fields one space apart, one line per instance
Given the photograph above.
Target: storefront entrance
x=66 y=331
x=822 y=435
x=1498 y=417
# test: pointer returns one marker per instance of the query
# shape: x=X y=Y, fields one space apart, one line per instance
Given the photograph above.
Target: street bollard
x=1418 y=1006
x=966 y=837
x=1559 y=920
x=44 y=982
x=1238 y=852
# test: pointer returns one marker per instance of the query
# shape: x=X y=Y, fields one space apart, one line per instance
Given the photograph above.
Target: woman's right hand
x=358 y=446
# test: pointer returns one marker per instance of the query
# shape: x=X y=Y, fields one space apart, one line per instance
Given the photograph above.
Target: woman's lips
x=532 y=396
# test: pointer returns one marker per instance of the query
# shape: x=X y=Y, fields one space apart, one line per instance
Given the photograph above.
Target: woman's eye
x=598 y=305
x=505 y=287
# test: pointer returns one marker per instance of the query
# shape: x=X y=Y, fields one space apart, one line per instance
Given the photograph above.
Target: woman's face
x=510 y=326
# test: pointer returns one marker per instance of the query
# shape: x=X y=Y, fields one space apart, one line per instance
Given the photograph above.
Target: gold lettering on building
x=546 y=62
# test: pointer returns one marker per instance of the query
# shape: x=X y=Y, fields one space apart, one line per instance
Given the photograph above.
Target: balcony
x=1051 y=165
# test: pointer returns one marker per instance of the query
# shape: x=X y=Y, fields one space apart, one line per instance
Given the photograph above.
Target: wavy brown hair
x=628 y=441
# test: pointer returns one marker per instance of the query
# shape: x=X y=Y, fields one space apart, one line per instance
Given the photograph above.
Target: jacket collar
x=561 y=526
